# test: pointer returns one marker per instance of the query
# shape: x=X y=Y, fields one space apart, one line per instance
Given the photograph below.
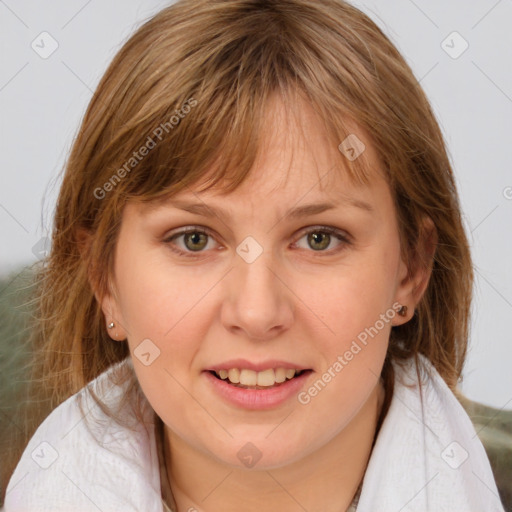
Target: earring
x=111 y=325
x=402 y=311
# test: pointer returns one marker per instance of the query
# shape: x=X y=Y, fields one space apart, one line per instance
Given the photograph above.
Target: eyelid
x=188 y=229
x=329 y=229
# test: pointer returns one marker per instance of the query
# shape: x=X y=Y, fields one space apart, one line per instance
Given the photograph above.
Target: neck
x=326 y=479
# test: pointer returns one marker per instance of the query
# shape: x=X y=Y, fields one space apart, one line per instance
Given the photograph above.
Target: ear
x=109 y=304
x=414 y=277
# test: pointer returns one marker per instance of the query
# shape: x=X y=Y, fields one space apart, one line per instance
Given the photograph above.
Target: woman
x=258 y=262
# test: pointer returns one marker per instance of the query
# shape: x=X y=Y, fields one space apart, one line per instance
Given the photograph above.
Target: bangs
x=205 y=116
x=219 y=150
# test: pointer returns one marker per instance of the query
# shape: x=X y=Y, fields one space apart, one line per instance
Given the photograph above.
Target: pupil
x=195 y=238
x=316 y=238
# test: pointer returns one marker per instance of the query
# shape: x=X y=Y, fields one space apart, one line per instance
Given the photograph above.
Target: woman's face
x=268 y=278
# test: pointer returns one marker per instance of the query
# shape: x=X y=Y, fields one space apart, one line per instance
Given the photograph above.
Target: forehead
x=298 y=160
x=296 y=143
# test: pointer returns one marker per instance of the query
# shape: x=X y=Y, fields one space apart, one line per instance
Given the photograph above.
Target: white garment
x=424 y=460
x=427 y=458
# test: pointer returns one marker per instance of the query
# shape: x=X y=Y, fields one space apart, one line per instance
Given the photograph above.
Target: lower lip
x=258 y=398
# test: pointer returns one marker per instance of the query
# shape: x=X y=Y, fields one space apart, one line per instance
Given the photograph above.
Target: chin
x=260 y=454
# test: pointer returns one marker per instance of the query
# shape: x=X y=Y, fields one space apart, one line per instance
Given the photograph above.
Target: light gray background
x=42 y=101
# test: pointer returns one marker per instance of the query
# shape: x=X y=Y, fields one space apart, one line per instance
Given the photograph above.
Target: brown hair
x=200 y=74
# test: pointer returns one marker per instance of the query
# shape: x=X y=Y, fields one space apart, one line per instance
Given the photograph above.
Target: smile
x=270 y=395
x=250 y=379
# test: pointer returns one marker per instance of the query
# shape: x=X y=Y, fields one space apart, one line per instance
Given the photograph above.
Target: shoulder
x=427 y=455
x=424 y=394
x=82 y=459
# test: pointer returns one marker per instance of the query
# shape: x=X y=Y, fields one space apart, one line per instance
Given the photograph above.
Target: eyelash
x=340 y=235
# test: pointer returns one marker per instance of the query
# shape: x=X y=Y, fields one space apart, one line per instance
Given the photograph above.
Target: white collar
x=427 y=457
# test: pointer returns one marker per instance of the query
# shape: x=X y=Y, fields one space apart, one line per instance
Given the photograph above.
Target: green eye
x=319 y=240
x=195 y=240
x=189 y=241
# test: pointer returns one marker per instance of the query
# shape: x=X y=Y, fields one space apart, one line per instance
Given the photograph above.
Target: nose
x=259 y=303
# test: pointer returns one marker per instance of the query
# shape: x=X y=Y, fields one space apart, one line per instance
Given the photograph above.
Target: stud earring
x=111 y=325
x=402 y=311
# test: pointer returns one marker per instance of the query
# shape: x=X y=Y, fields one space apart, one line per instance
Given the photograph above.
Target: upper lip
x=257 y=367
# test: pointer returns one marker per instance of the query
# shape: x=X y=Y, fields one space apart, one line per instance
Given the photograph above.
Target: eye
x=192 y=240
x=320 y=238
x=197 y=239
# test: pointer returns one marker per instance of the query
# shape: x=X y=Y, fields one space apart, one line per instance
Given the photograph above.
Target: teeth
x=290 y=374
x=248 y=378
x=280 y=375
x=265 y=378
x=233 y=375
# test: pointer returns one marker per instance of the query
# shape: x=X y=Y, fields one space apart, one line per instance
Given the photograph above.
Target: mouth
x=267 y=379
x=257 y=386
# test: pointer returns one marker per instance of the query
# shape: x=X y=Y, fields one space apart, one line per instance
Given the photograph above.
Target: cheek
x=357 y=309
x=156 y=297
x=170 y=308
x=352 y=297
x=354 y=304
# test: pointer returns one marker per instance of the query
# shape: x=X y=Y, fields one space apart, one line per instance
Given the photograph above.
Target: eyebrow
x=294 y=213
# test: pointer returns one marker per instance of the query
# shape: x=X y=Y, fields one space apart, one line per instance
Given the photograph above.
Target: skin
x=293 y=303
